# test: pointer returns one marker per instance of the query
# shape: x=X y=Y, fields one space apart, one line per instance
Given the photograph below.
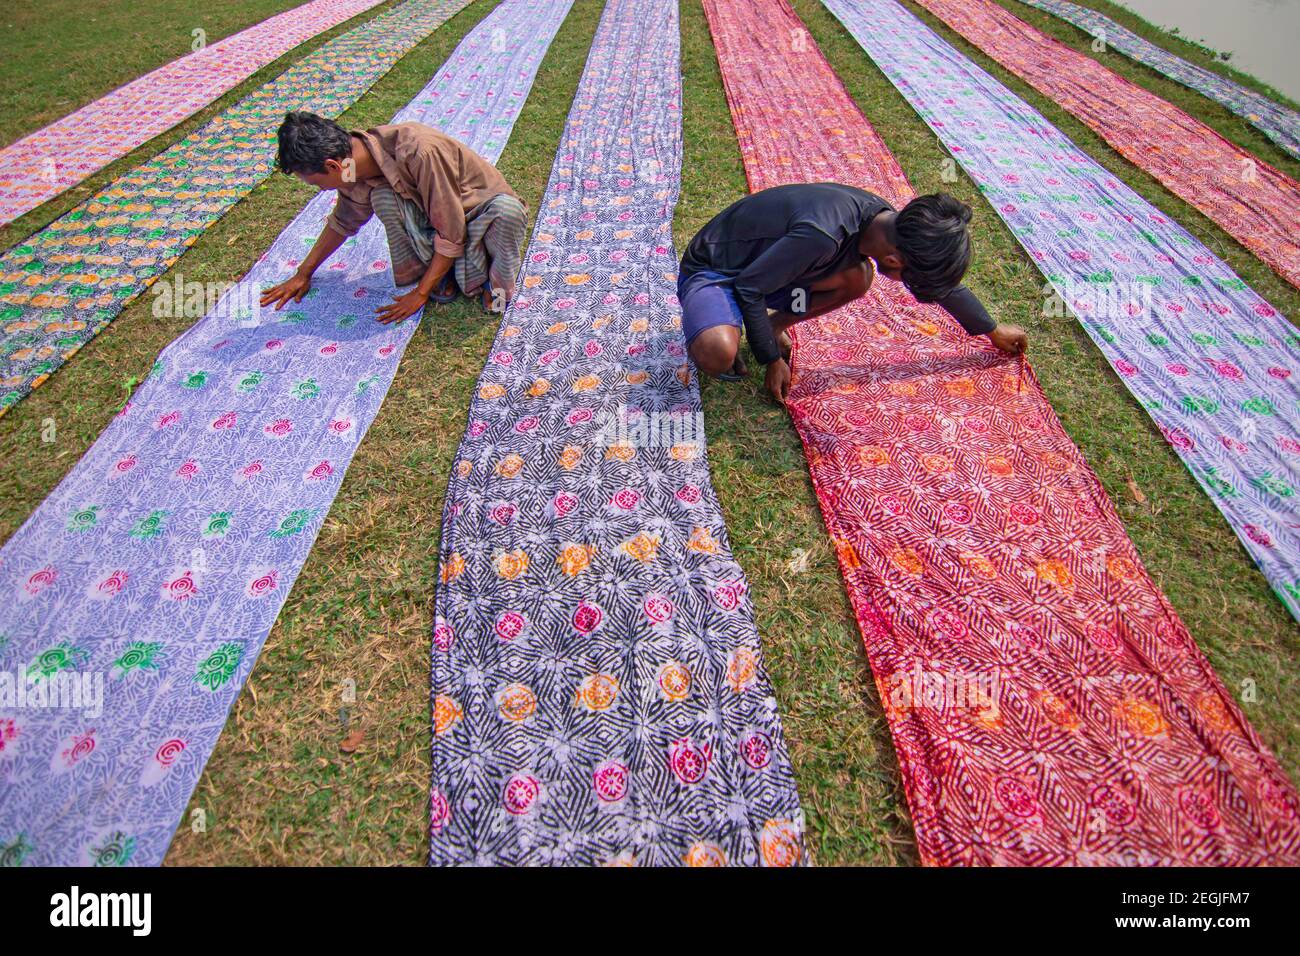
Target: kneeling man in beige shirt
x=450 y=217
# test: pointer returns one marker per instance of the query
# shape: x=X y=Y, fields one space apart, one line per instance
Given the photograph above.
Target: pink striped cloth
x=45 y=163
x=1253 y=202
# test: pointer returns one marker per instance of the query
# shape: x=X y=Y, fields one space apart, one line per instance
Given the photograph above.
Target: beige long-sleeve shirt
x=446 y=177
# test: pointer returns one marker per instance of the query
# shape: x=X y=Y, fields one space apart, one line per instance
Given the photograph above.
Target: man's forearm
x=758 y=329
x=438 y=268
x=325 y=246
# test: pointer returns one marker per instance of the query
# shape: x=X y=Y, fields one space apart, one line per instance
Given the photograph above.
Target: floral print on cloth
x=64 y=284
x=57 y=157
x=1214 y=365
x=1277 y=122
x=1255 y=203
x=159 y=565
x=1046 y=704
x=599 y=695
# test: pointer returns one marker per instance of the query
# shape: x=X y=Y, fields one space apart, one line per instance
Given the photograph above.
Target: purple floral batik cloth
x=1275 y=121
x=158 y=566
x=599 y=692
x=1214 y=365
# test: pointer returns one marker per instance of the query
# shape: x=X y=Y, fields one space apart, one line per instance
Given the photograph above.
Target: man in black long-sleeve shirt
x=808 y=248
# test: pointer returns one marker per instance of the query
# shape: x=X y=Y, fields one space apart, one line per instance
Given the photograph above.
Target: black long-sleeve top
x=788 y=237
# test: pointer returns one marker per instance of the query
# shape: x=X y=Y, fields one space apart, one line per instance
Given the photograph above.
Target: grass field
x=279 y=790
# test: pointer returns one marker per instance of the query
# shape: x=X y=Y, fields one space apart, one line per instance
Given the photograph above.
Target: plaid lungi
x=494 y=233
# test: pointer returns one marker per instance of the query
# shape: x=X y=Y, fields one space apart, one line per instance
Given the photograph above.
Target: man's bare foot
x=445 y=292
x=737 y=373
x=496 y=298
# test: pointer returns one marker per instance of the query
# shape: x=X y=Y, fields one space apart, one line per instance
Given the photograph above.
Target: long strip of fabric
x=1255 y=203
x=154 y=572
x=1046 y=703
x=1277 y=122
x=1212 y=363
x=599 y=695
x=64 y=284
x=57 y=157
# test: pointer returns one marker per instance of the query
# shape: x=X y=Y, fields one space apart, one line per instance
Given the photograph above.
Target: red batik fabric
x=1253 y=202
x=1046 y=703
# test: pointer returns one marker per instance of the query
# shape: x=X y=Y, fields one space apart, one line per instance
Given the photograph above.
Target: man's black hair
x=307 y=140
x=930 y=234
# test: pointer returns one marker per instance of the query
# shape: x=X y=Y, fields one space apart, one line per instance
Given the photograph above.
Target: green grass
x=278 y=789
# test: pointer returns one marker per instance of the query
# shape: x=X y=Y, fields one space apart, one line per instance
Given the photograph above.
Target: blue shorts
x=709 y=299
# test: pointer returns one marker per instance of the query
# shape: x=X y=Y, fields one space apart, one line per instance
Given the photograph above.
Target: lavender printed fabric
x=1212 y=363
x=158 y=566
x=598 y=689
x=61 y=286
x=1275 y=121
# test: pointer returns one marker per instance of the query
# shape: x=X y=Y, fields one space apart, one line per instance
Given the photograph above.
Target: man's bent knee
x=714 y=350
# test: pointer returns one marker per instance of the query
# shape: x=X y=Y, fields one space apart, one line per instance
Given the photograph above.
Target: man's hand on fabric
x=777 y=380
x=402 y=307
x=290 y=290
x=1010 y=338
